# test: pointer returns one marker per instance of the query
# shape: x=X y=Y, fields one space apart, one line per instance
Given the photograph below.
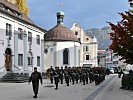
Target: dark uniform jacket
x=35 y=77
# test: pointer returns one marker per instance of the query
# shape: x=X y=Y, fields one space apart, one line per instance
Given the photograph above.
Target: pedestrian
x=120 y=72
x=34 y=78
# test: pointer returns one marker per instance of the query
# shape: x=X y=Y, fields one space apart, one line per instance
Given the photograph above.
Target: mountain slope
x=102 y=36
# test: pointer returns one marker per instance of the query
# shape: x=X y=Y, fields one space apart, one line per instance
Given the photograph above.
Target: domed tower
x=61 y=44
x=60 y=32
x=60 y=17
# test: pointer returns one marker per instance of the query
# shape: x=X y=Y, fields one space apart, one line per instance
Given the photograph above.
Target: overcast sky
x=88 y=13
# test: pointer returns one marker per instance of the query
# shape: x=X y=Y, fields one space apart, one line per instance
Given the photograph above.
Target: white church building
x=21 y=41
x=62 y=47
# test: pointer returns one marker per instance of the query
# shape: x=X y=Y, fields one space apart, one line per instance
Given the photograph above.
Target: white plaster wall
x=36 y=49
x=56 y=60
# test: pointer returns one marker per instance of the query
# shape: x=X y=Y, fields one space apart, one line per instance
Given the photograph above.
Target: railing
x=2 y=67
x=17 y=68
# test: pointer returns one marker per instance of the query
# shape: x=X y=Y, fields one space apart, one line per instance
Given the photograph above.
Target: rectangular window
x=83 y=48
x=76 y=33
x=30 y=61
x=29 y=37
x=79 y=39
x=37 y=39
x=20 y=34
x=20 y=59
x=38 y=60
x=87 y=57
x=87 y=49
x=8 y=29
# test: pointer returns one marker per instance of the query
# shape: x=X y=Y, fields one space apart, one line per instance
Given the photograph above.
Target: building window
x=76 y=33
x=29 y=37
x=8 y=29
x=65 y=56
x=37 y=39
x=20 y=59
x=79 y=39
x=87 y=49
x=83 y=48
x=51 y=49
x=38 y=60
x=20 y=34
x=87 y=57
x=30 y=62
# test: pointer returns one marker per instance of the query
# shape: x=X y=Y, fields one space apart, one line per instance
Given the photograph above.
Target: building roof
x=13 y=11
x=60 y=33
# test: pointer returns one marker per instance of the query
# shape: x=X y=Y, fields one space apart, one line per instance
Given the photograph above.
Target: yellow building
x=88 y=47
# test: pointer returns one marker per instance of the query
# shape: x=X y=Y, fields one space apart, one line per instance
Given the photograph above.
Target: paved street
x=108 y=90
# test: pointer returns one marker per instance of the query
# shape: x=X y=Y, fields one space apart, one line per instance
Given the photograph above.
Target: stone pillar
x=55 y=56
x=25 y=66
x=74 y=54
x=15 y=49
x=42 y=55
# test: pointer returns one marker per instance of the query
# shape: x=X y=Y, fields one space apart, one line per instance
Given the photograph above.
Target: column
x=42 y=55
x=25 y=67
x=15 y=49
x=55 y=56
x=74 y=54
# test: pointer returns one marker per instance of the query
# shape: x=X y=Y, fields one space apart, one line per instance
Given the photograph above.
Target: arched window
x=65 y=56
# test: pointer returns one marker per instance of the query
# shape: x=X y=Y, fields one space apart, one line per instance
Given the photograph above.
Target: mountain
x=102 y=36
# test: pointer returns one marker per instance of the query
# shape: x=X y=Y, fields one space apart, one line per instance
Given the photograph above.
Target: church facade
x=21 y=41
x=61 y=45
x=88 y=47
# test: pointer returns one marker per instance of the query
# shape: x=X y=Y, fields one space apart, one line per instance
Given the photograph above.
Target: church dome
x=60 y=33
x=60 y=13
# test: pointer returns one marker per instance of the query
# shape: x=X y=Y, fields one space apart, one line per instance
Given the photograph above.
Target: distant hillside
x=101 y=35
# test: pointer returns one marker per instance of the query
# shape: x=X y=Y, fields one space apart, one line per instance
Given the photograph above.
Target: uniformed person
x=51 y=76
x=61 y=77
x=35 y=77
x=67 y=77
x=73 y=77
x=77 y=77
x=83 y=77
x=56 y=79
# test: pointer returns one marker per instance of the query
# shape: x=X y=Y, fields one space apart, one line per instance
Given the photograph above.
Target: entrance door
x=8 y=59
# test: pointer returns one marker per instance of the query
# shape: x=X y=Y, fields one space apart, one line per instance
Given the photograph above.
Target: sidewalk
x=113 y=92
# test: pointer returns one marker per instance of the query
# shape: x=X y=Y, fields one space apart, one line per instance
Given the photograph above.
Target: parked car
x=115 y=70
x=111 y=70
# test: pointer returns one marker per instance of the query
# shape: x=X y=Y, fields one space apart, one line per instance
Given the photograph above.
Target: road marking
x=96 y=92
